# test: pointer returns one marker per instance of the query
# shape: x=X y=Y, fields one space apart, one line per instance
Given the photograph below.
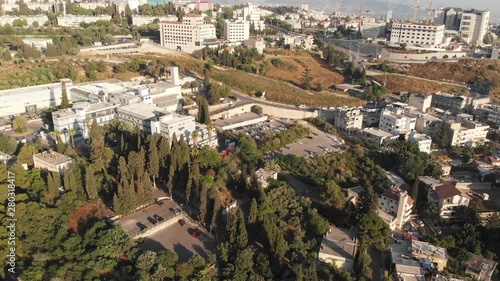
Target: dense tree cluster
x=240 y=57
x=333 y=56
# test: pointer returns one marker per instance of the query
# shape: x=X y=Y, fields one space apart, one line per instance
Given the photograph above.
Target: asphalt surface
x=178 y=239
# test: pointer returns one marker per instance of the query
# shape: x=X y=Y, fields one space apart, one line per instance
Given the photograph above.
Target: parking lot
x=179 y=239
x=144 y=220
x=259 y=130
x=315 y=144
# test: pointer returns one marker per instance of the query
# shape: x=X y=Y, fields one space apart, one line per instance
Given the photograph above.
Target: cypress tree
x=153 y=162
x=206 y=112
x=90 y=182
x=64 y=97
x=414 y=192
x=252 y=215
x=163 y=151
x=242 y=238
x=232 y=226
x=122 y=144
x=203 y=204
x=216 y=208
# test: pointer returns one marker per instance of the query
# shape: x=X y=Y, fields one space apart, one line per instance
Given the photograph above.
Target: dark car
x=182 y=222
x=152 y=220
x=141 y=226
x=158 y=218
x=196 y=233
x=175 y=211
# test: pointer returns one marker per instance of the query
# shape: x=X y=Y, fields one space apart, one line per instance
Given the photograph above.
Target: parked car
x=196 y=233
x=175 y=211
x=141 y=226
x=421 y=223
x=158 y=218
x=182 y=222
x=152 y=220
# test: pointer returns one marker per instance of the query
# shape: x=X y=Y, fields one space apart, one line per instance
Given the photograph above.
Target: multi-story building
x=480 y=268
x=423 y=141
x=39 y=43
x=236 y=31
x=447 y=198
x=450 y=102
x=140 y=115
x=187 y=36
x=450 y=17
x=305 y=42
x=74 y=21
x=31 y=99
x=378 y=137
x=52 y=161
x=257 y=43
x=429 y=255
x=417 y=34
x=467 y=132
x=174 y=124
x=373 y=30
x=254 y=15
x=396 y=119
x=488 y=114
x=474 y=25
x=348 y=119
x=81 y=116
x=421 y=101
x=7 y=19
x=304 y=7
x=396 y=203
x=144 y=20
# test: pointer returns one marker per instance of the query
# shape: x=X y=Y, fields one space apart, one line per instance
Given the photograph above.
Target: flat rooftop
x=237 y=119
x=142 y=109
x=339 y=242
x=25 y=90
x=378 y=132
x=424 y=248
x=52 y=157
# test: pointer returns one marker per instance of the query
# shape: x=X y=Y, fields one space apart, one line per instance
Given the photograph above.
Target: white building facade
x=417 y=34
x=236 y=31
x=474 y=25
x=187 y=36
x=398 y=204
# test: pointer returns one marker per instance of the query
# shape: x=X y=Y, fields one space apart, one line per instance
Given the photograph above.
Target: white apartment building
x=348 y=119
x=305 y=42
x=378 y=137
x=236 y=31
x=187 y=36
x=144 y=20
x=31 y=99
x=140 y=115
x=254 y=15
x=81 y=116
x=373 y=30
x=52 y=161
x=417 y=34
x=74 y=21
x=447 y=198
x=7 y=19
x=396 y=203
x=466 y=132
x=474 y=25
x=396 y=120
x=173 y=123
x=421 y=101
x=257 y=43
x=423 y=141
x=488 y=114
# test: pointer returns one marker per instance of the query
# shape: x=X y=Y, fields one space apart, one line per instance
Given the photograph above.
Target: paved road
x=376 y=264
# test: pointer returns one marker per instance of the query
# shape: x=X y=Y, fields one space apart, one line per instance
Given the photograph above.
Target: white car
x=421 y=223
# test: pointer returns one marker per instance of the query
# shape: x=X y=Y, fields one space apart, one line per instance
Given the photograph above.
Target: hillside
x=292 y=68
x=395 y=84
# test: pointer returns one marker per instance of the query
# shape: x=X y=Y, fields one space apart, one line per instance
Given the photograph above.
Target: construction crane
x=415 y=11
x=428 y=14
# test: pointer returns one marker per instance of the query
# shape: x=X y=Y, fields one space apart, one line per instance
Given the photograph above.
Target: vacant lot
x=293 y=70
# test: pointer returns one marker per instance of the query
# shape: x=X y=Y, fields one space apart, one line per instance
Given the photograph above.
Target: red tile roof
x=448 y=190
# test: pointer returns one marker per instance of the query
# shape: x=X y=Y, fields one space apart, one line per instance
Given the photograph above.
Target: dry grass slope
x=397 y=83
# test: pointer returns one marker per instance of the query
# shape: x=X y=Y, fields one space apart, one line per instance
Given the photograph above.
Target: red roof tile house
x=448 y=198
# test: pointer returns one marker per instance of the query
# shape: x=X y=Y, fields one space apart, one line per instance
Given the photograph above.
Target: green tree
x=252 y=215
x=26 y=153
x=20 y=124
x=90 y=183
x=242 y=239
x=414 y=191
x=64 y=99
x=153 y=161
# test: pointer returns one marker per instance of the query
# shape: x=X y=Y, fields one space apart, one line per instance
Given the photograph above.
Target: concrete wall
x=212 y=108
x=158 y=227
x=269 y=110
x=466 y=186
x=424 y=56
